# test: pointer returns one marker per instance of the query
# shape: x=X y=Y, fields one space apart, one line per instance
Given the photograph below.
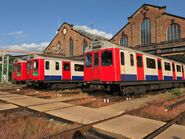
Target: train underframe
x=134 y=87
x=55 y=84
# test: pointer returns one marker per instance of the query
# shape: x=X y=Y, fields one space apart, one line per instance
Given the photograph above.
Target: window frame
x=57 y=65
x=47 y=65
x=131 y=60
x=79 y=70
x=122 y=55
x=150 y=63
x=89 y=65
x=167 y=66
x=102 y=58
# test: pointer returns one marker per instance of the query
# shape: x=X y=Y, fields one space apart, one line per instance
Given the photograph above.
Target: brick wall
x=159 y=19
x=63 y=38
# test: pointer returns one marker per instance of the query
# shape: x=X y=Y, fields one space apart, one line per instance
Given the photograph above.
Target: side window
x=150 y=63
x=167 y=66
x=131 y=60
x=139 y=61
x=122 y=58
x=56 y=65
x=47 y=65
x=96 y=61
x=79 y=67
x=178 y=68
x=66 y=66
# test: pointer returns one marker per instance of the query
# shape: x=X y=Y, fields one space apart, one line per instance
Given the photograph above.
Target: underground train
x=43 y=71
x=126 y=70
x=19 y=74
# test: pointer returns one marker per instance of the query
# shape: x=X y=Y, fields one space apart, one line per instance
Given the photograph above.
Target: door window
x=139 y=61
x=66 y=66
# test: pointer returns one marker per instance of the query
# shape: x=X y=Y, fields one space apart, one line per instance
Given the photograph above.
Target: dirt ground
x=158 y=109
x=93 y=100
x=28 y=125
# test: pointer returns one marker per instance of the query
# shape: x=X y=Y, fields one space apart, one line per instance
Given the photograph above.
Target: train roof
x=56 y=56
x=95 y=45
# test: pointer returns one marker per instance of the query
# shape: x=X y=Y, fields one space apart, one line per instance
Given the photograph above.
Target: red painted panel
x=160 y=73
x=96 y=67
x=140 y=67
x=38 y=73
x=88 y=71
x=112 y=72
x=66 y=70
x=174 y=72
x=14 y=71
x=182 y=72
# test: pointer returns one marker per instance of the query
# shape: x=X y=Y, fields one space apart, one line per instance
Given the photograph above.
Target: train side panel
x=77 y=70
x=128 y=65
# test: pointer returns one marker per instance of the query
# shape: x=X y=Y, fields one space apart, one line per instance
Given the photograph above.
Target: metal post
x=2 y=72
x=7 y=68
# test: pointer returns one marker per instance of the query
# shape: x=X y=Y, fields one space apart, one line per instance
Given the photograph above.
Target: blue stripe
x=53 y=77
x=128 y=77
x=77 y=77
x=166 y=78
x=152 y=77
x=179 y=78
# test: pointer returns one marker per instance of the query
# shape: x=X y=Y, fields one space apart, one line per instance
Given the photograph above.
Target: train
x=126 y=70
x=45 y=71
x=19 y=74
x=106 y=66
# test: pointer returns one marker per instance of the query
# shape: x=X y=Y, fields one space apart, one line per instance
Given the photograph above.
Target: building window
x=131 y=60
x=150 y=63
x=71 y=47
x=84 y=46
x=124 y=40
x=58 y=48
x=145 y=32
x=173 y=32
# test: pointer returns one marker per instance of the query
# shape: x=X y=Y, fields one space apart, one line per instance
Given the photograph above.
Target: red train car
x=19 y=74
x=128 y=70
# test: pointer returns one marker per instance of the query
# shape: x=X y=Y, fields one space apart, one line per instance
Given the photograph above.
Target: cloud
x=31 y=47
x=16 y=34
x=94 y=31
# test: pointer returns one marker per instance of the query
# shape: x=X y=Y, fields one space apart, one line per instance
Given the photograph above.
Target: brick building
x=70 y=41
x=153 y=30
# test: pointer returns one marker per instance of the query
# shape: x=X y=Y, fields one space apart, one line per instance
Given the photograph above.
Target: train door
x=66 y=70
x=140 y=67
x=96 y=67
x=174 y=72
x=182 y=72
x=160 y=74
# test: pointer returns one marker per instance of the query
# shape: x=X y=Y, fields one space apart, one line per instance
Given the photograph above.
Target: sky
x=32 y=24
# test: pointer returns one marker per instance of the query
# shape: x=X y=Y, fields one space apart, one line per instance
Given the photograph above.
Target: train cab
x=19 y=71
x=101 y=63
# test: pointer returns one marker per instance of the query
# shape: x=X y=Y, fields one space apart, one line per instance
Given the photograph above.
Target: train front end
x=101 y=61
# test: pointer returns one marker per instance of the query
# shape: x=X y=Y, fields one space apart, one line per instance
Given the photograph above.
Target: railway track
x=177 y=119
